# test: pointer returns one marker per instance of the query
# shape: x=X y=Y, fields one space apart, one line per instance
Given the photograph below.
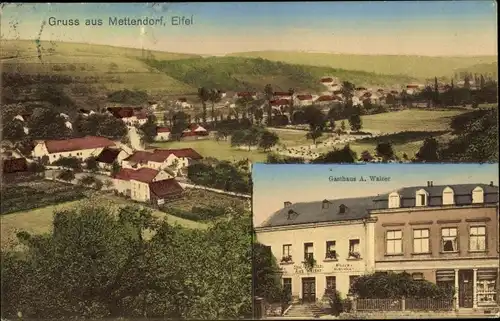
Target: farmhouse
x=146 y=185
x=243 y=94
x=81 y=148
x=324 y=100
x=282 y=95
x=164 y=159
x=304 y=100
x=110 y=155
x=184 y=156
x=162 y=133
x=336 y=234
x=446 y=234
x=129 y=115
x=195 y=131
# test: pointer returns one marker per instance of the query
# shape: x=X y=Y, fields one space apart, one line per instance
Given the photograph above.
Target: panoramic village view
x=127 y=151
x=398 y=241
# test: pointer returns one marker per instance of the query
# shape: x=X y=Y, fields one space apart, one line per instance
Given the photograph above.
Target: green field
x=40 y=220
x=221 y=150
x=415 y=66
x=408 y=120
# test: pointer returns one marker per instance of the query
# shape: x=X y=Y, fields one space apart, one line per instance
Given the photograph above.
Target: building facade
x=448 y=235
x=333 y=234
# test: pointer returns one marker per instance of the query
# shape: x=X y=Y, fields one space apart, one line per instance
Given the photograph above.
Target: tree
x=291 y=107
x=385 y=151
x=68 y=163
x=268 y=140
x=87 y=180
x=100 y=125
x=214 y=97
x=331 y=116
x=347 y=90
x=355 y=122
x=429 y=151
x=148 y=130
x=13 y=131
x=266 y=279
x=115 y=168
x=47 y=124
x=66 y=175
x=436 y=91
x=269 y=94
x=344 y=155
x=204 y=96
x=242 y=106
x=279 y=159
x=342 y=126
x=316 y=121
x=91 y=164
x=180 y=121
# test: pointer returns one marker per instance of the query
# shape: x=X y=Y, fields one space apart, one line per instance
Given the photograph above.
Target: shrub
x=66 y=175
x=68 y=162
x=335 y=300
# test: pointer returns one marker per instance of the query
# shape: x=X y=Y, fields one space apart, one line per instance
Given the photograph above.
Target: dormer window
x=478 y=195
x=421 y=198
x=448 y=196
x=342 y=209
x=394 y=200
x=292 y=214
x=325 y=204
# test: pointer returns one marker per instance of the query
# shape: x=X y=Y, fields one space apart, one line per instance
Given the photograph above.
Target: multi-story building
x=336 y=234
x=445 y=234
x=81 y=148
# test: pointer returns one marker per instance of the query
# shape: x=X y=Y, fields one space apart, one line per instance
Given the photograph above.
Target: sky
x=429 y=28
x=274 y=184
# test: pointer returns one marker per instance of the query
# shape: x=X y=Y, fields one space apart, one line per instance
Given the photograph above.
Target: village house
x=413 y=88
x=324 y=100
x=182 y=102
x=303 y=100
x=81 y=148
x=445 y=234
x=110 y=155
x=337 y=234
x=173 y=160
x=280 y=105
x=130 y=115
x=147 y=185
x=243 y=94
x=278 y=95
x=162 y=133
x=195 y=131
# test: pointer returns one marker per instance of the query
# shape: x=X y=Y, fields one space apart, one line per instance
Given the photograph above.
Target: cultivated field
x=416 y=66
x=221 y=150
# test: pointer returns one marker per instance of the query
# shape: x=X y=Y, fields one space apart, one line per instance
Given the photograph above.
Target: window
x=394 y=200
x=394 y=243
x=331 y=282
x=449 y=239
x=308 y=251
x=287 y=253
x=342 y=209
x=354 y=249
x=324 y=204
x=477 y=238
x=352 y=279
x=478 y=195
x=417 y=276
x=331 y=253
x=448 y=196
x=287 y=285
x=421 y=241
x=421 y=198
x=486 y=286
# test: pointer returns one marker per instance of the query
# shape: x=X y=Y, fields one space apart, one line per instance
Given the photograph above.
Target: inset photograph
x=376 y=240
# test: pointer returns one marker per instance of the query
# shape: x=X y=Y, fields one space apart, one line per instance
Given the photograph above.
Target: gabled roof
x=163 y=130
x=73 y=144
x=304 y=97
x=145 y=175
x=279 y=102
x=145 y=156
x=462 y=193
x=181 y=153
x=108 y=155
x=165 y=188
x=325 y=98
x=327 y=79
x=314 y=212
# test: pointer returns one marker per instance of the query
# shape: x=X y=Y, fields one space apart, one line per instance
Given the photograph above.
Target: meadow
x=420 y=67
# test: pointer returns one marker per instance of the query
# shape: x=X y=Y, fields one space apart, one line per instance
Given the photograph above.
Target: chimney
x=429 y=183
x=491 y=183
x=287 y=204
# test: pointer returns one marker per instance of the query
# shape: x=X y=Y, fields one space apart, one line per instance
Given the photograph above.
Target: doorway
x=308 y=290
x=465 y=288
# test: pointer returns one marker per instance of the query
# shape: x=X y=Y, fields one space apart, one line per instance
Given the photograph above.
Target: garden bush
x=335 y=300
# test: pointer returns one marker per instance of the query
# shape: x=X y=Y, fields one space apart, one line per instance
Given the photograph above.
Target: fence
x=403 y=304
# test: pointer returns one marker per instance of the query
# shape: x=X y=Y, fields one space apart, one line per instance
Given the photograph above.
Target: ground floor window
x=287 y=285
x=331 y=283
x=486 y=286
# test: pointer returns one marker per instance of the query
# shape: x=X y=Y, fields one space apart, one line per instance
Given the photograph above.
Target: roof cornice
x=313 y=225
x=431 y=208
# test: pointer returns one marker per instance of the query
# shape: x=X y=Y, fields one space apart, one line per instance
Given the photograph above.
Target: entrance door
x=465 y=286
x=308 y=290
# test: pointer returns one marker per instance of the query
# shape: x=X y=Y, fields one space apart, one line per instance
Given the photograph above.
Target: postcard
x=376 y=241
x=130 y=132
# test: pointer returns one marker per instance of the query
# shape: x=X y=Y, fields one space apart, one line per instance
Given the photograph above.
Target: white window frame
x=449 y=235
x=392 y=238
x=475 y=233
x=448 y=196
x=478 y=195
x=394 y=200
x=421 y=239
x=418 y=194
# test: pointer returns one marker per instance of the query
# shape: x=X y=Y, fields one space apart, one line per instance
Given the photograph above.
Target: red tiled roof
x=87 y=142
x=304 y=97
x=141 y=115
x=165 y=188
x=411 y=86
x=184 y=152
x=163 y=130
x=327 y=79
x=336 y=92
x=108 y=155
x=144 y=157
x=145 y=175
x=325 y=98
x=14 y=165
x=245 y=93
x=279 y=102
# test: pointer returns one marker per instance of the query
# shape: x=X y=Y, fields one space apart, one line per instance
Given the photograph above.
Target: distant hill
x=237 y=73
x=485 y=69
x=164 y=73
x=414 y=66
